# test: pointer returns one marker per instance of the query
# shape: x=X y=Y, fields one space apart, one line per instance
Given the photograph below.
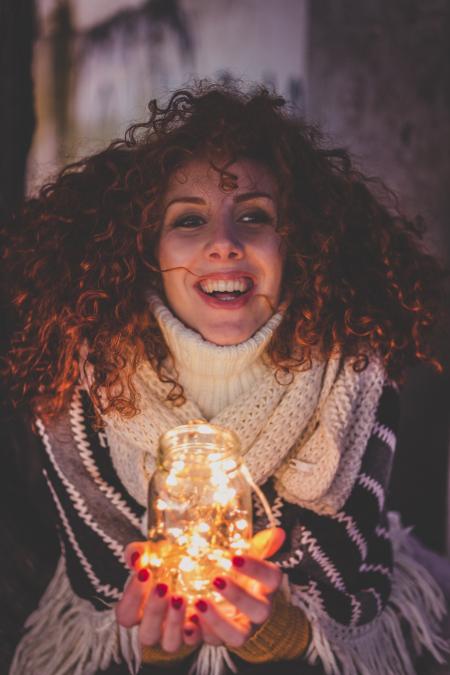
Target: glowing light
x=224 y=563
x=175 y=531
x=154 y=560
x=197 y=540
x=187 y=564
x=144 y=560
x=201 y=511
x=224 y=495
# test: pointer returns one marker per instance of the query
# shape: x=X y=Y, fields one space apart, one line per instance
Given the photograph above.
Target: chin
x=227 y=335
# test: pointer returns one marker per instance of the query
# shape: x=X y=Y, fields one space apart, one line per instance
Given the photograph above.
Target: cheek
x=274 y=261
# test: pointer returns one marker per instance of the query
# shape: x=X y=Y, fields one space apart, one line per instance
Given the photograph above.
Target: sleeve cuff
x=155 y=655
x=284 y=636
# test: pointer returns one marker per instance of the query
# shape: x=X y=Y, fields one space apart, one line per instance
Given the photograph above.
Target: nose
x=224 y=242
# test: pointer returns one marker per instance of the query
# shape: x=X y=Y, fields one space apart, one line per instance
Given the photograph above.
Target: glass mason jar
x=199 y=508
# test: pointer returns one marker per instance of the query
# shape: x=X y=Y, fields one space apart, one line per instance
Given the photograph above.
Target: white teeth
x=225 y=285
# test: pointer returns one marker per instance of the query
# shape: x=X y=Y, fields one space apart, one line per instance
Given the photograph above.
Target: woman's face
x=220 y=254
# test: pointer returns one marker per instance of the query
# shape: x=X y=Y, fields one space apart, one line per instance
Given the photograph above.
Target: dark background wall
x=379 y=83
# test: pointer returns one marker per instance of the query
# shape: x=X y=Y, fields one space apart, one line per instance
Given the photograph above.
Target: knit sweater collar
x=212 y=375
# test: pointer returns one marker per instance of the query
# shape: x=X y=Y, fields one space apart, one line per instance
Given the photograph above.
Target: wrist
x=284 y=635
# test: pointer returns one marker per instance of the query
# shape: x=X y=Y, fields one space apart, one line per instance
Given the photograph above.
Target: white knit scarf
x=309 y=432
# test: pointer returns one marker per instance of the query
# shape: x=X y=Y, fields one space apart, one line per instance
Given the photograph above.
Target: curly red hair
x=80 y=255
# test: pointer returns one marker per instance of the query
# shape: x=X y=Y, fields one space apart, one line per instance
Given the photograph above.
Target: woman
x=221 y=263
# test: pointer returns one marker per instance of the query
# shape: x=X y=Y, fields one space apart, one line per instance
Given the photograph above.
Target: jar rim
x=192 y=433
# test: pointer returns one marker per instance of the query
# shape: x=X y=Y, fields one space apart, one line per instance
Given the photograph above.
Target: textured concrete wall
x=97 y=64
x=379 y=83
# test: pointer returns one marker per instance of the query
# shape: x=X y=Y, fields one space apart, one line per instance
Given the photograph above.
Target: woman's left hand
x=248 y=592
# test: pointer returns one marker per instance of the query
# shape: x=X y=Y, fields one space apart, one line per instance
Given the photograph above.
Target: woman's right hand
x=161 y=616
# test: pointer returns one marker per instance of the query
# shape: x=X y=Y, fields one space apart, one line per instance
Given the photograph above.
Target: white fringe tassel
x=381 y=647
x=212 y=660
x=67 y=636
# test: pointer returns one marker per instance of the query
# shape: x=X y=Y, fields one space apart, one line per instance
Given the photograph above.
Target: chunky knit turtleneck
x=213 y=376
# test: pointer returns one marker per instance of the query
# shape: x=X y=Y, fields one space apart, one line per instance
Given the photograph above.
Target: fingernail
x=201 y=606
x=143 y=574
x=161 y=589
x=238 y=561
x=219 y=583
x=134 y=558
x=194 y=619
x=176 y=601
x=188 y=631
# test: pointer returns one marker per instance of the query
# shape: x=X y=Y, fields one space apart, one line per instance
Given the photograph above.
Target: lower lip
x=240 y=301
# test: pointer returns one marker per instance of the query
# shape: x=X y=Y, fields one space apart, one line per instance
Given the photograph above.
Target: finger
x=205 y=633
x=133 y=554
x=256 y=608
x=267 y=542
x=268 y=574
x=191 y=632
x=129 y=609
x=153 y=615
x=212 y=619
x=172 y=636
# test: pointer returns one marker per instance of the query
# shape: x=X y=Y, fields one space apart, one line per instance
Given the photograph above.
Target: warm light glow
x=154 y=561
x=187 y=564
x=175 y=531
x=224 y=495
x=144 y=559
x=225 y=563
x=199 y=511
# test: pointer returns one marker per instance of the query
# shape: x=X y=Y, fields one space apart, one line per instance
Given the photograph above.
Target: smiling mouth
x=226 y=289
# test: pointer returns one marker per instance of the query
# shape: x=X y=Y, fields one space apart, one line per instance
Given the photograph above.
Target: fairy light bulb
x=199 y=508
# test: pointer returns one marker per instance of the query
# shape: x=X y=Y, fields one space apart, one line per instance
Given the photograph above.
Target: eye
x=188 y=221
x=255 y=217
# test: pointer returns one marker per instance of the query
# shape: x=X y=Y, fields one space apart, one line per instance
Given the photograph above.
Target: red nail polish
x=201 y=606
x=134 y=558
x=194 y=619
x=161 y=589
x=219 y=583
x=143 y=574
x=176 y=601
x=188 y=631
x=238 y=561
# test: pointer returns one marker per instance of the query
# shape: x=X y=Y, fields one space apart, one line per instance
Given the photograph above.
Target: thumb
x=267 y=542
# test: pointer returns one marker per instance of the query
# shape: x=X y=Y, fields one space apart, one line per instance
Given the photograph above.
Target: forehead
x=199 y=176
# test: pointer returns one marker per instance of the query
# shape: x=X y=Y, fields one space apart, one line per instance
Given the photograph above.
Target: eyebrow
x=246 y=196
